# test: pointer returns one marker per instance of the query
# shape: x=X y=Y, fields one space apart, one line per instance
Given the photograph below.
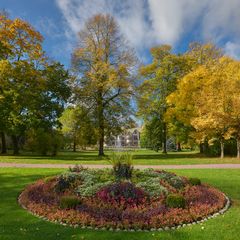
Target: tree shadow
x=168 y=156
x=63 y=156
x=92 y=156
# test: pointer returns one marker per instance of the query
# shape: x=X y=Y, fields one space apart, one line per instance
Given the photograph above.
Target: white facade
x=129 y=138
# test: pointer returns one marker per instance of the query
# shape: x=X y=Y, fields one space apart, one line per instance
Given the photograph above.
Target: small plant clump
x=68 y=202
x=175 y=201
x=122 y=197
x=122 y=166
x=194 y=181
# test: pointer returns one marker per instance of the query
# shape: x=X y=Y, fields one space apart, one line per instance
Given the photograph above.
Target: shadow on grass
x=91 y=156
x=169 y=156
x=80 y=156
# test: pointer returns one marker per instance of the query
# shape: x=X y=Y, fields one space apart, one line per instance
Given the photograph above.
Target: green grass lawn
x=16 y=223
x=141 y=157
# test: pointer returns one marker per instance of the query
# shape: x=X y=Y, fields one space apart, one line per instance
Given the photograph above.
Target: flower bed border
x=220 y=212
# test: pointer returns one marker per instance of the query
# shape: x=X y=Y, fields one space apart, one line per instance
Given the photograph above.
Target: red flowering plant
x=202 y=195
x=123 y=193
x=42 y=192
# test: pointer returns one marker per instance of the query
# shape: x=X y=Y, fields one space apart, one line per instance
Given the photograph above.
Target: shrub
x=67 y=181
x=175 y=201
x=67 y=202
x=122 y=166
x=194 y=181
x=44 y=141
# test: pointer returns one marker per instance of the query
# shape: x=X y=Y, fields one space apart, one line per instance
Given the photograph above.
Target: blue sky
x=145 y=23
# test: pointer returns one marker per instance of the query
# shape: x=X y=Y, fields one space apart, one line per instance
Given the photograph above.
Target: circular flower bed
x=150 y=199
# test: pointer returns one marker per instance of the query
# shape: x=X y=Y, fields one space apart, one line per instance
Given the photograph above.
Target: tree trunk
x=204 y=147
x=100 y=125
x=101 y=141
x=179 y=149
x=4 y=145
x=222 y=147
x=54 y=151
x=74 y=144
x=15 y=144
x=164 y=143
x=238 y=147
x=201 y=147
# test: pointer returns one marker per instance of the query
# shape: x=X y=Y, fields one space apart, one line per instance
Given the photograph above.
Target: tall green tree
x=160 y=80
x=3 y=53
x=24 y=51
x=151 y=136
x=77 y=127
x=104 y=66
x=33 y=89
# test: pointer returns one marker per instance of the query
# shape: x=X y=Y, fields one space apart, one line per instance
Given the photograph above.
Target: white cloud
x=221 y=19
x=49 y=28
x=149 y=22
x=129 y=16
x=172 y=18
x=232 y=49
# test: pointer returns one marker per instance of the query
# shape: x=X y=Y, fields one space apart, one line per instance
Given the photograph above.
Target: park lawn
x=16 y=223
x=141 y=157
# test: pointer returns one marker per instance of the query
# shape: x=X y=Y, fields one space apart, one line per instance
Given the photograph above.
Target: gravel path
x=195 y=166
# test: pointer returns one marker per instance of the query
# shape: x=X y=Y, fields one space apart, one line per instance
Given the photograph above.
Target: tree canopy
x=160 y=80
x=33 y=88
x=104 y=66
x=189 y=97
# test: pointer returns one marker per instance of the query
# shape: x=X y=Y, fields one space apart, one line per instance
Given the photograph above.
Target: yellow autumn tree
x=208 y=100
x=181 y=103
x=213 y=104
x=233 y=117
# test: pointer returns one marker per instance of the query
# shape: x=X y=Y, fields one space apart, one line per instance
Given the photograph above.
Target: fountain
x=118 y=143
